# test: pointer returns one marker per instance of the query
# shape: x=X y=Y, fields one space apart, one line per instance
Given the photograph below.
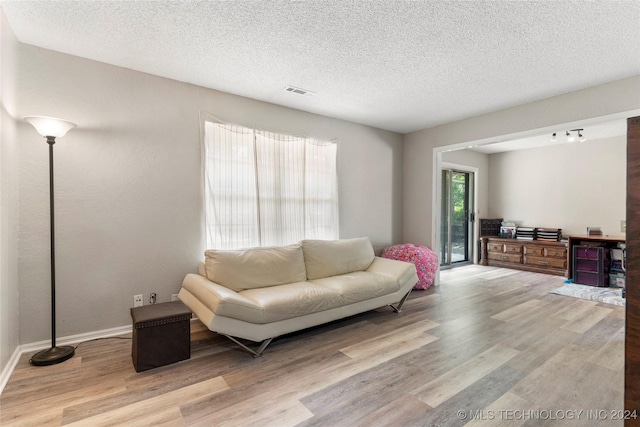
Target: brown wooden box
x=161 y=335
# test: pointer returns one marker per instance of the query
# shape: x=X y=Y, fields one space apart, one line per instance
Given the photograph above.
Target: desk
x=606 y=241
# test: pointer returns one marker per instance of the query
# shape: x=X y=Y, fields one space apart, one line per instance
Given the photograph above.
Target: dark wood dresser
x=529 y=255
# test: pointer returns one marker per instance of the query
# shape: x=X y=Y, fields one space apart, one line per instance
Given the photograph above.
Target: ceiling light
x=580 y=137
x=570 y=138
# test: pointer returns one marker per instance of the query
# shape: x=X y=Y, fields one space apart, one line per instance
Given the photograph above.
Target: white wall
x=614 y=99
x=568 y=186
x=128 y=185
x=8 y=198
x=479 y=161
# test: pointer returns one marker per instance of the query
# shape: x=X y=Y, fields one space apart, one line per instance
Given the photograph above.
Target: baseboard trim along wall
x=8 y=370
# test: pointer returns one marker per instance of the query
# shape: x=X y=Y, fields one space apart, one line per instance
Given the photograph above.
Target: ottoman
x=161 y=335
x=425 y=260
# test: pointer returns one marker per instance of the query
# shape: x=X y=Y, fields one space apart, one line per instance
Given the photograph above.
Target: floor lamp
x=51 y=129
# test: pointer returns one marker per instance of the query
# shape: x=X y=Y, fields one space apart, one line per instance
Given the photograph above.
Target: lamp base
x=52 y=356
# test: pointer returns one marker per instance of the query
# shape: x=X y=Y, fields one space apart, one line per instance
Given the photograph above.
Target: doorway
x=456 y=227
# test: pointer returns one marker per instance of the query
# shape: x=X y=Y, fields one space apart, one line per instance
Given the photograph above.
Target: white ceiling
x=396 y=65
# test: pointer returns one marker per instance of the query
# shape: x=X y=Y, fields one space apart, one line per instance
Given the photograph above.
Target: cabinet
x=590 y=265
x=534 y=255
x=161 y=335
x=607 y=242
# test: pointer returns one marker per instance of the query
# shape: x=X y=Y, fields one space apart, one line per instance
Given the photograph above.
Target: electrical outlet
x=623 y=226
x=137 y=300
x=174 y=297
x=152 y=298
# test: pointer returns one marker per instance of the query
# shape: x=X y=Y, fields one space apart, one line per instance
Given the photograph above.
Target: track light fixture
x=580 y=137
x=570 y=136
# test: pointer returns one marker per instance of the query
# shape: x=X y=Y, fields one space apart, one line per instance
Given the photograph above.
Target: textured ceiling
x=396 y=65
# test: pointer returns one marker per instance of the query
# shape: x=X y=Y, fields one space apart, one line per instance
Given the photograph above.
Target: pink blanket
x=425 y=260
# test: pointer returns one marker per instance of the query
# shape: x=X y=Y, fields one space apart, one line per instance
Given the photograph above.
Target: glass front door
x=457 y=217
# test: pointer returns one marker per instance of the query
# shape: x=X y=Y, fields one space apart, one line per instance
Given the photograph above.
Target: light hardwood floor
x=489 y=343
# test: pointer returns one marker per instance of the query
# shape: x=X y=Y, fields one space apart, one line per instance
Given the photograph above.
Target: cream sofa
x=261 y=293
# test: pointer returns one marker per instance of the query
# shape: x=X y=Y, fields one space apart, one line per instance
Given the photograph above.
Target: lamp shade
x=50 y=126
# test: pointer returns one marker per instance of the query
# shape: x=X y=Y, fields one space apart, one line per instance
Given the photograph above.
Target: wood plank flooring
x=489 y=347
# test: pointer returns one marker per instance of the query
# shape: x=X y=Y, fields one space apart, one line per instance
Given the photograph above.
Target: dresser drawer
x=534 y=250
x=591 y=265
x=587 y=252
x=513 y=248
x=587 y=278
x=505 y=257
x=546 y=262
x=555 y=252
x=495 y=247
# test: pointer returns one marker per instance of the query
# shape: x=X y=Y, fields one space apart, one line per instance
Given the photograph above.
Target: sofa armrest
x=403 y=272
x=215 y=296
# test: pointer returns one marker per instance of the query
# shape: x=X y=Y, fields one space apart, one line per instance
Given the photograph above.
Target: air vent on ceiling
x=299 y=91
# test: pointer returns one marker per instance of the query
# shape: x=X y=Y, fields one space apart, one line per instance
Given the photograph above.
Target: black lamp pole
x=50 y=128
x=54 y=354
x=51 y=140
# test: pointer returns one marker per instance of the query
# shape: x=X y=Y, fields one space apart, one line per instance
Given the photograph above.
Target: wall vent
x=299 y=91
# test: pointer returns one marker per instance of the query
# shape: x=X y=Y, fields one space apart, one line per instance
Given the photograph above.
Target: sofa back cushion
x=325 y=258
x=255 y=268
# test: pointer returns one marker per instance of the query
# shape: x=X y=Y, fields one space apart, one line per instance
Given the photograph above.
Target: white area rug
x=592 y=293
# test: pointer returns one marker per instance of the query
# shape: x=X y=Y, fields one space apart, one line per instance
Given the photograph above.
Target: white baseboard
x=41 y=345
x=8 y=370
x=74 y=339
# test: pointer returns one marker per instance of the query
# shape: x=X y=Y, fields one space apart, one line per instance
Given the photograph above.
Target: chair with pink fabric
x=425 y=260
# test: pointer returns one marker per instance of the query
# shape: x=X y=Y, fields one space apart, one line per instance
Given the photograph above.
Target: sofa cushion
x=255 y=268
x=289 y=301
x=325 y=258
x=359 y=286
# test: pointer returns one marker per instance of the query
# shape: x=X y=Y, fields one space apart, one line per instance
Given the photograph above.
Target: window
x=267 y=189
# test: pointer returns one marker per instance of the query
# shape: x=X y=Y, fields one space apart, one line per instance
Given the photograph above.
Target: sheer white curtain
x=267 y=189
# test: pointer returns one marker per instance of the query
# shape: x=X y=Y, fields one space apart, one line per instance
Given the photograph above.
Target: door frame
x=436 y=198
x=473 y=236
